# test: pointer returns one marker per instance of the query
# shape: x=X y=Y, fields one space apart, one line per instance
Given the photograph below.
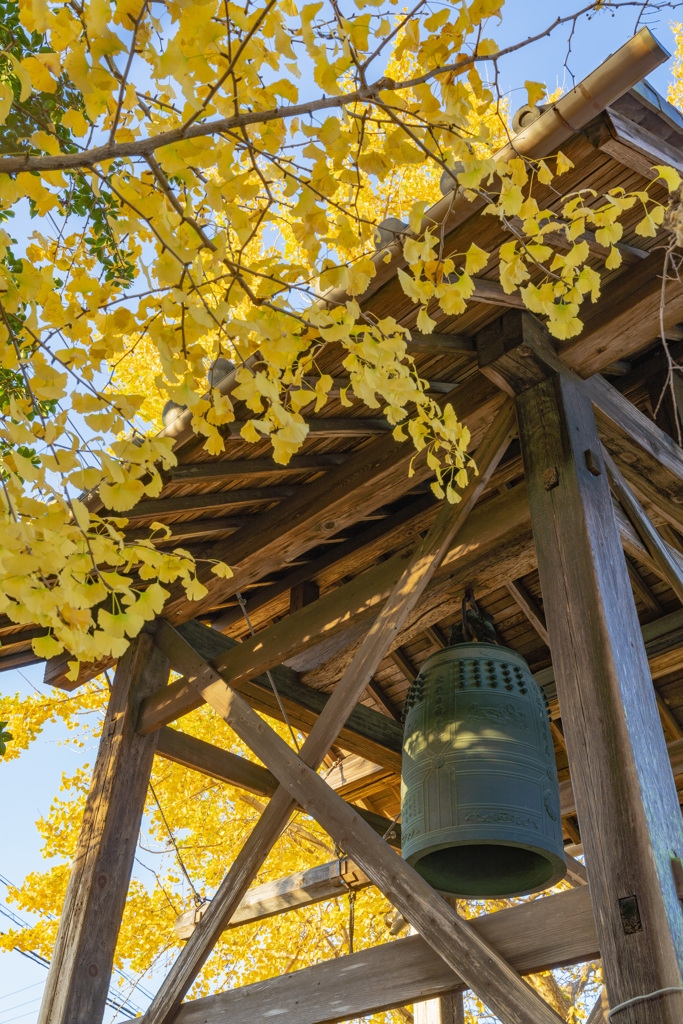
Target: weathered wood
x=366 y=732
x=475 y=961
x=666 y=560
x=556 y=931
x=533 y=613
x=160 y=507
x=403 y=663
x=636 y=147
x=643 y=591
x=618 y=759
x=184 y=531
x=196 y=471
x=440 y=344
x=511 y=352
x=80 y=969
x=302 y=594
x=382 y=701
x=627 y=316
x=238 y=771
x=301 y=889
x=372 y=477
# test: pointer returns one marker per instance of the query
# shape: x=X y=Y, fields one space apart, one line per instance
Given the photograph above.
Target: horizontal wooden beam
x=332 y=614
x=203 y=757
x=634 y=146
x=555 y=931
x=440 y=344
x=157 y=507
x=197 y=471
x=301 y=889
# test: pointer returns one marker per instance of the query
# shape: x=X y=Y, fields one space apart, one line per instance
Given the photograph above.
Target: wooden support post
x=445 y=1009
x=627 y=803
x=80 y=969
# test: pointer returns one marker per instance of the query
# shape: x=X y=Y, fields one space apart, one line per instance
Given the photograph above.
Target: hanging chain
x=243 y=605
x=351 y=891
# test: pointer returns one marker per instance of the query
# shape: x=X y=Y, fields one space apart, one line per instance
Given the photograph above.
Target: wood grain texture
x=80 y=969
x=626 y=800
x=372 y=477
x=550 y=932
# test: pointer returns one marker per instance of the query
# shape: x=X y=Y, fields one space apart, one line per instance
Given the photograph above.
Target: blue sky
x=28 y=784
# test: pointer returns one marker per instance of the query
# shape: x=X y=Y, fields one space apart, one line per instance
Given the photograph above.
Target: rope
x=243 y=605
x=642 y=999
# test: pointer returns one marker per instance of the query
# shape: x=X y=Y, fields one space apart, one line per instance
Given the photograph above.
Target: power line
x=36 y=958
x=17 y=991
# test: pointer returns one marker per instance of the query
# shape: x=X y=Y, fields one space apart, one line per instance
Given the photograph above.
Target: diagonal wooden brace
x=348 y=691
x=478 y=965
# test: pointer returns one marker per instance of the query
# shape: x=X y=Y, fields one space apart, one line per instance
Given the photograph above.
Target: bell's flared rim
x=557 y=863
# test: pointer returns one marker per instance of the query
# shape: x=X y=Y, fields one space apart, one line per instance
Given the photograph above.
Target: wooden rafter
x=220 y=764
x=668 y=562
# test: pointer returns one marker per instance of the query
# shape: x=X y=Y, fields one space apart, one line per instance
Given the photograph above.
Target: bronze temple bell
x=480 y=799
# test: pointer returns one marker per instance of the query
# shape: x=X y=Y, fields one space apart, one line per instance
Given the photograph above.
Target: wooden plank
x=200 y=471
x=465 y=952
x=636 y=147
x=403 y=663
x=241 y=772
x=403 y=598
x=625 y=319
x=196 y=528
x=160 y=507
x=80 y=968
x=382 y=701
x=533 y=613
x=615 y=411
x=301 y=889
x=555 y=931
x=440 y=344
x=666 y=560
x=617 y=755
x=517 y=353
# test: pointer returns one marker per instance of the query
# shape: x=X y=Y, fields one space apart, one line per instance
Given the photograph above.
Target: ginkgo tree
x=199 y=174
x=188 y=180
